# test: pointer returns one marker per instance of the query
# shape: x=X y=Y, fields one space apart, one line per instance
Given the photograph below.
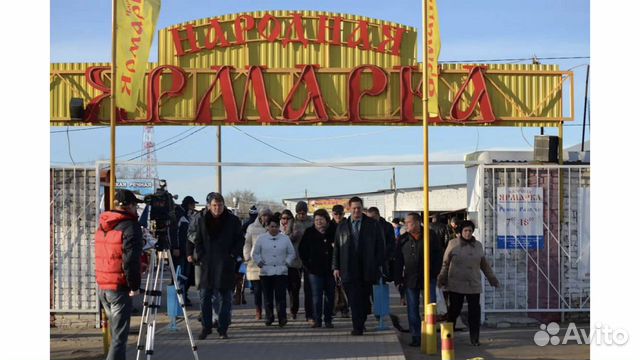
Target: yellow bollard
x=106 y=332
x=429 y=341
x=446 y=335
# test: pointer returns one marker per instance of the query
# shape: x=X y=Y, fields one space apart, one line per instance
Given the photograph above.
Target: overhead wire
x=337 y=137
x=81 y=129
x=165 y=146
x=516 y=59
x=69 y=147
x=158 y=143
x=298 y=157
x=524 y=137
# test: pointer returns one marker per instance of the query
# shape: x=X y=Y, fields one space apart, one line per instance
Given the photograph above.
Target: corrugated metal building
x=395 y=203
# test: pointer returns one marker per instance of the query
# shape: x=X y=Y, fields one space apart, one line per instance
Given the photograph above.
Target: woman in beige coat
x=257 y=228
x=463 y=261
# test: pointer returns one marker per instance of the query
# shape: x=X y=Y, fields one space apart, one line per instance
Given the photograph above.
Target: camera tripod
x=152 y=300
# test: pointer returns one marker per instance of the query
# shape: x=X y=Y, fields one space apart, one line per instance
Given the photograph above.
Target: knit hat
x=302 y=206
x=253 y=210
x=264 y=211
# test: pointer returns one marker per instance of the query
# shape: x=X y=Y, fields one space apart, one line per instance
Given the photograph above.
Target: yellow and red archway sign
x=304 y=68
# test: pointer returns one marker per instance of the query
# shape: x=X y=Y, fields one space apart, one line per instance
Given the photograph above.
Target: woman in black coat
x=316 y=253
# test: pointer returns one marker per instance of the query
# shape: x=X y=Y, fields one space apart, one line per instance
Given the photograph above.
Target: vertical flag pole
x=112 y=178
x=219 y=172
x=106 y=328
x=425 y=172
x=428 y=339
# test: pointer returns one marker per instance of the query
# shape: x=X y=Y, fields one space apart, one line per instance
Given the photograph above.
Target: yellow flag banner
x=433 y=53
x=135 y=25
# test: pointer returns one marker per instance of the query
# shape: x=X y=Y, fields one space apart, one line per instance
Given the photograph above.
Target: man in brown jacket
x=460 y=275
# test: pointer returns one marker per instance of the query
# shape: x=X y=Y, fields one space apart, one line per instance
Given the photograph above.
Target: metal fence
x=73 y=224
x=545 y=268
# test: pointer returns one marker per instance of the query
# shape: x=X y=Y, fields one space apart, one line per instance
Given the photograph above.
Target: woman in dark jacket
x=316 y=253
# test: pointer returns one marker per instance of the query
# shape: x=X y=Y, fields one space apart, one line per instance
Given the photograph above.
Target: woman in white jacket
x=274 y=253
x=257 y=228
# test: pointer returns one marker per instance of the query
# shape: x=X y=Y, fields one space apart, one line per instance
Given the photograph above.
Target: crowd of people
x=334 y=259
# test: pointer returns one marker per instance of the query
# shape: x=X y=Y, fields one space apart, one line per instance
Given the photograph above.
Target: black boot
x=415 y=341
x=203 y=334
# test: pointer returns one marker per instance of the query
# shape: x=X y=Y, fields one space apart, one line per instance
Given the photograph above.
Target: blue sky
x=80 y=32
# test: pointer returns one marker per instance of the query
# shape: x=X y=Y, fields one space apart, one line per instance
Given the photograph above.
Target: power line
x=149 y=152
x=337 y=137
x=298 y=157
x=69 y=147
x=519 y=59
x=172 y=143
x=134 y=152
x=524 y=137
x=82 y=129
x=161 y=142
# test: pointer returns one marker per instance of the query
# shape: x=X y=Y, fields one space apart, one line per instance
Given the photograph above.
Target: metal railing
x=545 y=272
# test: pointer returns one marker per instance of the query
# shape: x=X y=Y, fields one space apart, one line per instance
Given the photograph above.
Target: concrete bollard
x=429 y=341
x=446 y=336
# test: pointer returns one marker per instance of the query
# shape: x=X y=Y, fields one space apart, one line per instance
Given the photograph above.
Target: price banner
x=520 y=218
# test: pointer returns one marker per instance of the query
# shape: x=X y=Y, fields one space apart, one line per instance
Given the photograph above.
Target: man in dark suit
x=358 y=257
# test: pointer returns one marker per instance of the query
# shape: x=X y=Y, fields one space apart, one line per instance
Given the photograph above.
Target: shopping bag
x=173 y=307
x=440 y=302
x=381 y=299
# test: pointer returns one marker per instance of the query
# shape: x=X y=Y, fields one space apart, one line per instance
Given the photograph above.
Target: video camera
x=161 y=215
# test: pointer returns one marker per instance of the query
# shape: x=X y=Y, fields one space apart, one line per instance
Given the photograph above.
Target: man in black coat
x=389 y=240
x=358 y=257
x=439 y=230
x=337 y=216
x=216 y=235
x=409 y=271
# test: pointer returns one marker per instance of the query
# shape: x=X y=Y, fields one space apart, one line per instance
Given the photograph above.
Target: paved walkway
x=250 y=339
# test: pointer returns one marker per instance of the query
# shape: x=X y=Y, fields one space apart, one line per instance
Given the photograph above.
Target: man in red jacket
x=118 y=249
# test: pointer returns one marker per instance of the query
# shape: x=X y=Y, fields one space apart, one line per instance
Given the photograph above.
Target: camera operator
x=163 y=218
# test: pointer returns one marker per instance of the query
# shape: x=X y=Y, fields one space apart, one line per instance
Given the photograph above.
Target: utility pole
x=536 y=61
x=219 y=159
x=394 y=187
x=584 y=115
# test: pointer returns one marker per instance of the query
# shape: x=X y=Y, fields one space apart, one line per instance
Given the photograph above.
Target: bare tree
x=244 y=198
x=271 y=204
